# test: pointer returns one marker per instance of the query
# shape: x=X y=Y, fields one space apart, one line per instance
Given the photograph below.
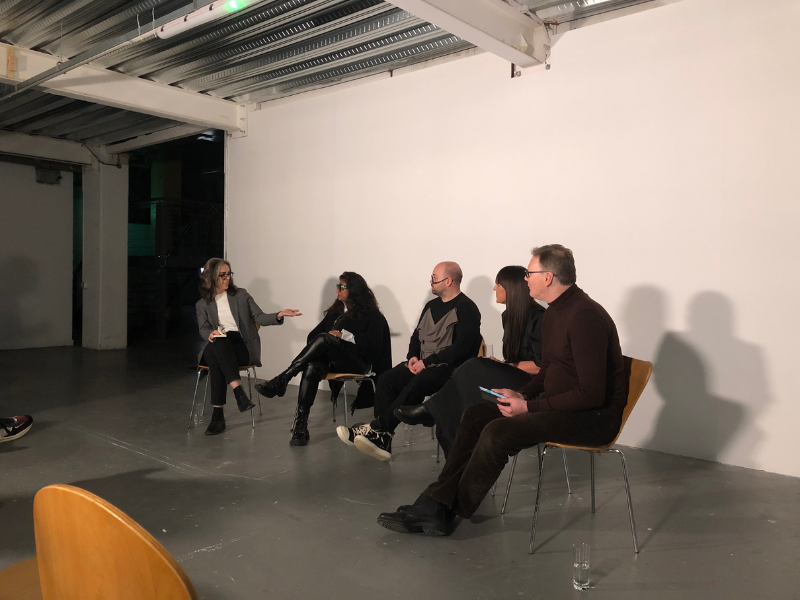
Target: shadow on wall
x=18 y=331
x=713 y=385
x=291 y=334
x=400 y=331
x=479 y=290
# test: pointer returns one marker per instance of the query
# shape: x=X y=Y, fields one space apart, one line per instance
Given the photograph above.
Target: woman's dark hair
x=359 y=297
x=518 y=302
x=209 y=276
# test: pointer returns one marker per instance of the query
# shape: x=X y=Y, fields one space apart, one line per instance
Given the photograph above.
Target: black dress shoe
x=411 y=522
x=217 y=424
x=415 y=415
x=242 y=401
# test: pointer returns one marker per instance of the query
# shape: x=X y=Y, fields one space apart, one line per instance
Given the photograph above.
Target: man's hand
x=213 y=334
x=337 y=334
x=415 y=365
x=290 y=312
x=514 y=403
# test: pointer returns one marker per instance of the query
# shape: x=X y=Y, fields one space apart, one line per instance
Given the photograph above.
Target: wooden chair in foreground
x=88 y=548
x=638 y=372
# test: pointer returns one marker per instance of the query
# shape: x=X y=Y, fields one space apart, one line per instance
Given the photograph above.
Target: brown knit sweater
x=582 y=366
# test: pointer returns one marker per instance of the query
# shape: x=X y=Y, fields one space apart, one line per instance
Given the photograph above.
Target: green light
x=233 y=5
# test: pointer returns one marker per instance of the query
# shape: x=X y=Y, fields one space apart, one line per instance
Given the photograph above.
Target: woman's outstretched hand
x=290 y=312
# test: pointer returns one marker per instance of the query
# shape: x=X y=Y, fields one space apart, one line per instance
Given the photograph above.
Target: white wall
x=663 y=148
x=35 y=259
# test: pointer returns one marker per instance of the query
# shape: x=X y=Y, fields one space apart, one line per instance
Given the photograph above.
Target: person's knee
x=493 y=441
x=315 y=370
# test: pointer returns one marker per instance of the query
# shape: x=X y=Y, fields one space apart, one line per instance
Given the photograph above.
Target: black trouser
x=224 y=356
x=486 y=439
x=325 y=354
x=462 y=391
x=400 y=387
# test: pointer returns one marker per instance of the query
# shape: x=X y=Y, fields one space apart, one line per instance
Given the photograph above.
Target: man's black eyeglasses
x=529 y=273
x=341 y=286
x=226 y=275
x=434 y=282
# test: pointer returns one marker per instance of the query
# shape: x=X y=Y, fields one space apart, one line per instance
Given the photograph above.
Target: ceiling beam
x=492 y=25
x=165 y=135
x=102 y=86
x=20 y=144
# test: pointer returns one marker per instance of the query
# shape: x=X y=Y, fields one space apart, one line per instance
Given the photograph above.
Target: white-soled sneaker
x=348 y=434
x=377 y=444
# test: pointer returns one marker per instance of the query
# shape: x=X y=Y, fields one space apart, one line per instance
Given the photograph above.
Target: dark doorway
x=175 y=224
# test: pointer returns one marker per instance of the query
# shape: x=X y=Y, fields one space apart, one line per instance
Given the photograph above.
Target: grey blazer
x=245 y=312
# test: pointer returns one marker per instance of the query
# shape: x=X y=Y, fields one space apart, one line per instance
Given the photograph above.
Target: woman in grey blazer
x=227 y=317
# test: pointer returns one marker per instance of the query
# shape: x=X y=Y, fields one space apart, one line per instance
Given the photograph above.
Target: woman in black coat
x=522 y=351
x=353 y=337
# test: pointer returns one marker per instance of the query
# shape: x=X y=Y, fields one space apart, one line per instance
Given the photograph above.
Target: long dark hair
x=518 y=302
x=209 y=276
x=359 y=297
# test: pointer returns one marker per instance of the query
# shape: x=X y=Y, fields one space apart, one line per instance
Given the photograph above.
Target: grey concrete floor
x=247 y=516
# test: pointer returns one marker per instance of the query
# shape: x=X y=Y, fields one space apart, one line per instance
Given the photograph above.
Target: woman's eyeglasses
x=225 y=275
x=341 y=286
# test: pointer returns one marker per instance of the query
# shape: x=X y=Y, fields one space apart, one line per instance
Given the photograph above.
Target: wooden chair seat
x=21 y=581
x=88 y=548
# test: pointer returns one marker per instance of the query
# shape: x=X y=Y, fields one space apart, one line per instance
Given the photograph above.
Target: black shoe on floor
x=242 y=401
x=415 y=415
x=217 y=424
x=410 y=522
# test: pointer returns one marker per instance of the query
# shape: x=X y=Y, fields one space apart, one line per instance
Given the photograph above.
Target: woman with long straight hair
x=353 y=337
x=227 y=317
x=522 y=351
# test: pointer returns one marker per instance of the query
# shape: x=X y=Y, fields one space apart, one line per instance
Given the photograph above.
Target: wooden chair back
x=482 y=349
x=638 y=373
x=88 y=548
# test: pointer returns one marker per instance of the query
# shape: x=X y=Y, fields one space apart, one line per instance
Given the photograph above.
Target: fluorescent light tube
x=215 y=10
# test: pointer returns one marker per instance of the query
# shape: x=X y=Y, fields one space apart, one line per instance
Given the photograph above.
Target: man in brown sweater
x=576 y=398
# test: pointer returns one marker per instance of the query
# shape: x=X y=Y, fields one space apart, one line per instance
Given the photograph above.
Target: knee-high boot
x=312 y=375
x=277 y=385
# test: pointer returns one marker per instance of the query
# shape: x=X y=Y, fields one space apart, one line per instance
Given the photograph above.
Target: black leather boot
x=300 y=435
x=242 y=401
x=217 y=424
x=415 y=415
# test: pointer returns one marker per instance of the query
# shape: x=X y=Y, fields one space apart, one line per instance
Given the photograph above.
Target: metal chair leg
x=344 y=389
x=630 y=502
x=538 y=495
x=591 y=475
x=508 y=487
x=258 y=396
x=252 y=410
x=566 y=469
x=194 y=400
x=205 y=393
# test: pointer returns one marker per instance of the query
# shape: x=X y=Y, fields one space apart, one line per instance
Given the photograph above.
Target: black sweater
x=466 y=335
x=582 y=366
x=371 y=334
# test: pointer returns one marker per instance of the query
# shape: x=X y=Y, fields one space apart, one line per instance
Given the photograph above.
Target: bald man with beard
x=448 y=334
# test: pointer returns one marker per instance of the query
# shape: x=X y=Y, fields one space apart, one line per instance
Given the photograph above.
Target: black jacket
x=371 y=333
